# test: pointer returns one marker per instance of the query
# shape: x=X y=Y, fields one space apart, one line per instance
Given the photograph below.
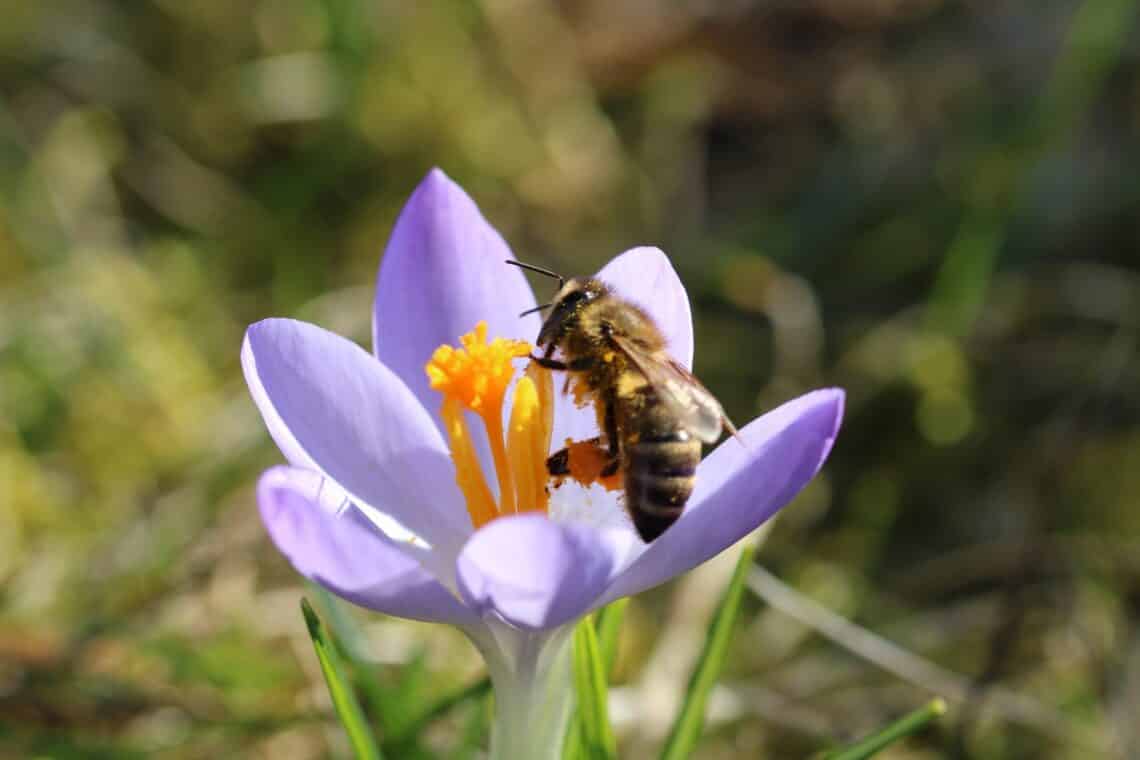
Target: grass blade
x=351 y=646
x=902 y=727
x=340 y=688
x=440 y=708
x=593 y=720
x=690 y=720
x=608 y=626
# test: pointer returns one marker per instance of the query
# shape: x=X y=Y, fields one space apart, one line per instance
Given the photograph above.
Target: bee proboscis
x=653 y=413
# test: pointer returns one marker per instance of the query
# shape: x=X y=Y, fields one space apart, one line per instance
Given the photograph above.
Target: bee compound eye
x=574 y=298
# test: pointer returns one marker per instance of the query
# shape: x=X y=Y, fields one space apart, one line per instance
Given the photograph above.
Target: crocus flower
x=415 y=484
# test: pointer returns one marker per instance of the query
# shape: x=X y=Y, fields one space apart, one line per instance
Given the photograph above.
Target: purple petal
x=442 y=273
x=533 y=572
x=345 y=553
x=739 y=487
x=333 y=408
x=645 y=277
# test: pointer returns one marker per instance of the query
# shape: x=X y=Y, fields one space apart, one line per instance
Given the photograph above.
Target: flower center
x=474 y=377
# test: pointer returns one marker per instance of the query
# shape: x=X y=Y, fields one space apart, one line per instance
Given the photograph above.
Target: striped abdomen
x=660 y=461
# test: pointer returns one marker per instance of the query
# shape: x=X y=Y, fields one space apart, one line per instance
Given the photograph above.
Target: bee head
x=572 y=297
x=567 y=306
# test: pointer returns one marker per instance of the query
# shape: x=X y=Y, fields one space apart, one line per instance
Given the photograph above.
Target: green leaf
x=340 y=689
x=403 y=693
x=608 y=626
x=573 y=748
x=396 y=707
x=593 y=721
x=351 y=646
x=475 y=731
x=903 y=727
x=691 y=718
x=441 y=707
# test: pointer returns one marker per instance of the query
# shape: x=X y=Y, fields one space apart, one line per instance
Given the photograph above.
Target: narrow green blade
x=351 y=646
x=442 y=707
x=691 y=718
x=608 y=628
x=593 y=721
x=574 y=746
x=902 y=727
x=340 y=689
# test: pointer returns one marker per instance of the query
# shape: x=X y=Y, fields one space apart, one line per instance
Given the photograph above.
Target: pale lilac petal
x=443 y=272
x=332 y=407
x=345 y=553
x=535 y=573
x=571 y=422
x=643 y=276
x=740 y=487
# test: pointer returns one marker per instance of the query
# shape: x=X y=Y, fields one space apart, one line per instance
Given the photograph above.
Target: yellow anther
x=528 y=439
x=544 y=385
x=469 y=476
x=475 y=377
x=520 y=449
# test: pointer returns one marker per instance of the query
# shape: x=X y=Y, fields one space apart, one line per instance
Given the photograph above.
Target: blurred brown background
x=930 y=203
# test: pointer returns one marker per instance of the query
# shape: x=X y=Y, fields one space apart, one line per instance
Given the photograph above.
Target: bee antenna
x=540 y=270
x=540 y=307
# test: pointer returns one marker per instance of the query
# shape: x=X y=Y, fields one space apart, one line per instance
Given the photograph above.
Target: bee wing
x=695 y=408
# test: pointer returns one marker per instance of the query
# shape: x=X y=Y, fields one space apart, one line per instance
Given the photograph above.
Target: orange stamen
x=475 y=377
x=468 y=474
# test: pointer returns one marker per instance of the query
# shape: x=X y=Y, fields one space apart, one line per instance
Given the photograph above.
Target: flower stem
x=531 y=677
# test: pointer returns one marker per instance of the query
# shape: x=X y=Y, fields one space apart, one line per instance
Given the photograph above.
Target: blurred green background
x=930 y=203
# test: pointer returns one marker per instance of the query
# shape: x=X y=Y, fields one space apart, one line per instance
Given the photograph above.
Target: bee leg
x=558 y=463
x=548 y=363
x=613 y=448
x=577 y=365
x=611 y=431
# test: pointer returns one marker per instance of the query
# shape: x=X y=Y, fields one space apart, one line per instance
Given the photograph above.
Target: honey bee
x=653 y=413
